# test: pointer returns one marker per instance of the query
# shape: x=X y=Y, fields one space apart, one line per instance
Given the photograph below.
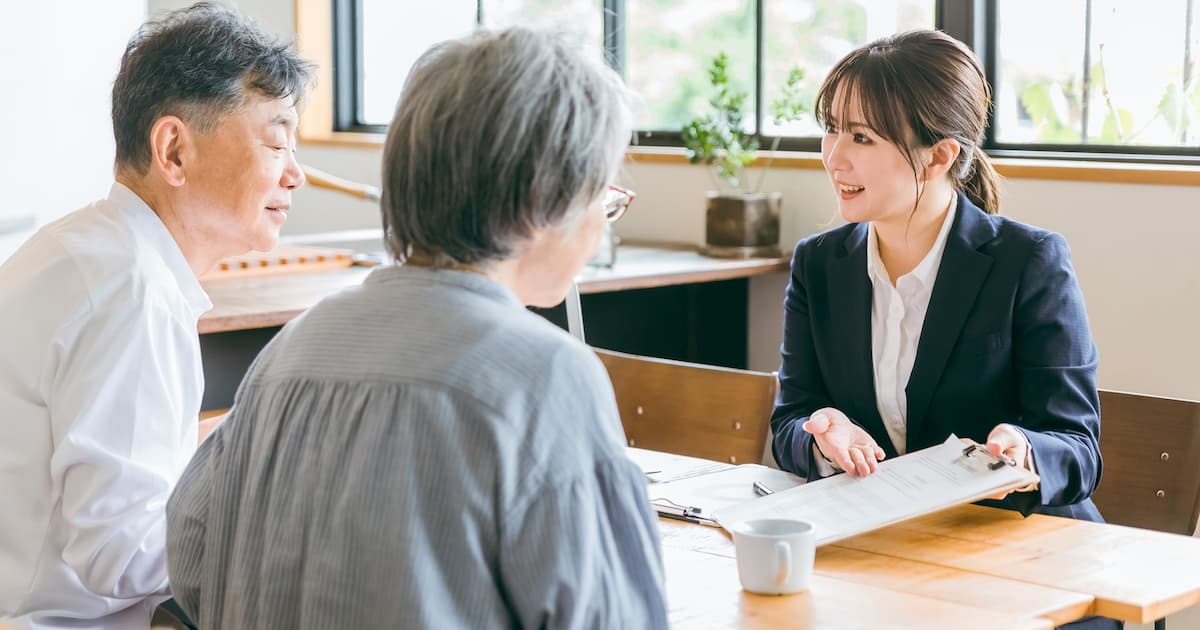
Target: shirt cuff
x=1029 y=464
x=825 y=466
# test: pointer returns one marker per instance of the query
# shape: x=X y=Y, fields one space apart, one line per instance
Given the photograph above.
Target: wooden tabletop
x=273 y=300
x=1134 y=574
x=987 y=565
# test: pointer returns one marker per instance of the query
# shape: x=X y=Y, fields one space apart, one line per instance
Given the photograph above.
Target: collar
x=150 y=229
x=926 y=271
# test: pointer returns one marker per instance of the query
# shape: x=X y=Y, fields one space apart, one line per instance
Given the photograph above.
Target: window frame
x=970 y=21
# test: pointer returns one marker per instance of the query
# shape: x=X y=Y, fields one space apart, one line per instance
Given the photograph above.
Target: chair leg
x=1160 y=624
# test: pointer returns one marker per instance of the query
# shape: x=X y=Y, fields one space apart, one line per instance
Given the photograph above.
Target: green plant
x=718 y=138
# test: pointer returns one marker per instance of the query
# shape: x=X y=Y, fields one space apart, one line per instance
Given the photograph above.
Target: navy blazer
x=1005 y=339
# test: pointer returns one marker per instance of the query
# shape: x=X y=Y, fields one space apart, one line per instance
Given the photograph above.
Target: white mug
x=775 y=555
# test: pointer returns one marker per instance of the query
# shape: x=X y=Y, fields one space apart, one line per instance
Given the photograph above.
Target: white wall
x=56 y=142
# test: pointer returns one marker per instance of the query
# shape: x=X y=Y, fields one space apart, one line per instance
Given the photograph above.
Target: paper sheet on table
x=904 y=487
x=663 y=467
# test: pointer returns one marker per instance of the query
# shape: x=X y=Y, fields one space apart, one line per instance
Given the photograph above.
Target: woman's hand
x=843 y=442
x=1005 y=441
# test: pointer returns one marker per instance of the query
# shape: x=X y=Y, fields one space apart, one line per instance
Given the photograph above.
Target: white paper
x=902 y=488
x=714 y=491
x=663 y=467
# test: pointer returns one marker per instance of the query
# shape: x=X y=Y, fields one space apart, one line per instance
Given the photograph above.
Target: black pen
x=761 y=490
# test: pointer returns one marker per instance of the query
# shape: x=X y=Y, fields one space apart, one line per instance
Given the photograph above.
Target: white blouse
x=897 y=317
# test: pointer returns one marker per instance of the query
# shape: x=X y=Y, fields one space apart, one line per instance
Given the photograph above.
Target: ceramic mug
x=775 y=555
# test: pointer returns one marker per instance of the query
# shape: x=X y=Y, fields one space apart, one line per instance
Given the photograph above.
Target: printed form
x=952 y=473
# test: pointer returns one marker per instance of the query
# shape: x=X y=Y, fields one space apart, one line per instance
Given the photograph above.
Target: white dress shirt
x=100 y=385
x=897 y=317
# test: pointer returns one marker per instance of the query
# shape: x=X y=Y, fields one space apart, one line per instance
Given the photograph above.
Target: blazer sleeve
x=802 y=387
x=1055 y=365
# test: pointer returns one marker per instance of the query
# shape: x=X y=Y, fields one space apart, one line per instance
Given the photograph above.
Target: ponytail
x=982 y=183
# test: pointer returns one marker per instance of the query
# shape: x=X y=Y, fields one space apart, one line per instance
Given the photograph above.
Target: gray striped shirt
x=418 y=452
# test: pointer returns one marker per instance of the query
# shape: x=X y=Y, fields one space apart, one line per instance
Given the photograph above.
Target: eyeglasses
x=616 y=202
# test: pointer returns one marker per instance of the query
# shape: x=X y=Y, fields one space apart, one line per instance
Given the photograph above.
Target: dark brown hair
x=197 y=63
x=915 y=89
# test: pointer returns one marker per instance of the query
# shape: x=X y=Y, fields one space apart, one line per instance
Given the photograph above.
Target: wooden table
x=273 y=300
x=968 y=566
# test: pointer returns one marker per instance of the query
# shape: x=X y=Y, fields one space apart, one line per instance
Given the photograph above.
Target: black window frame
x=970 y=21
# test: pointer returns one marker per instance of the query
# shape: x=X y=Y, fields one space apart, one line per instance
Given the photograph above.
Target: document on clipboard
x=931 y=479
x=691 y=489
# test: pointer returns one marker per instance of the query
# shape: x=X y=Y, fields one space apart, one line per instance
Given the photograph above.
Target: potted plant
x=740 y=222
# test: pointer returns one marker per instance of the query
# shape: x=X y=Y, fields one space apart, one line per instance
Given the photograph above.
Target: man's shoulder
x=92 y=261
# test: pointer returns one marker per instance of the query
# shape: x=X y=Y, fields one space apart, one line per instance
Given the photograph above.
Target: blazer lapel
x=849 y=294
x=960 y=277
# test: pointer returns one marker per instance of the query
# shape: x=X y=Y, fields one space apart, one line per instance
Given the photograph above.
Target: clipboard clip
x=998 y=461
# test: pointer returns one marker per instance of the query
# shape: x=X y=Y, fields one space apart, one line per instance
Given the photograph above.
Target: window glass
x=1126 y=76
x=815 y=34
x=393 y=37
x=670 y=46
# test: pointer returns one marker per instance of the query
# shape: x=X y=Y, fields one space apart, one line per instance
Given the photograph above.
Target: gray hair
x=497 y=134
x=197 y=63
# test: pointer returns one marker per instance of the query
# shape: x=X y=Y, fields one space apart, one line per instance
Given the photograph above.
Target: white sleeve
x=123 y=399
x=825 y=466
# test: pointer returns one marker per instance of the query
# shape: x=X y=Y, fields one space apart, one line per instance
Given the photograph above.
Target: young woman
x=928 y=314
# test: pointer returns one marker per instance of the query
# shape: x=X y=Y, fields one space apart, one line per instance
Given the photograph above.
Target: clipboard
x=918 y=483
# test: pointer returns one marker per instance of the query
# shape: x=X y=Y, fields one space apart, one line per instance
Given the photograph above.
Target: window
x=378 y=40
x=1114 y=75
x=670 y=44
x=1097 y=79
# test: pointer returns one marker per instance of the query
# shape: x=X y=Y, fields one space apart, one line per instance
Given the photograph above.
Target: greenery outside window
x=1103 y=76
x=1078 y=79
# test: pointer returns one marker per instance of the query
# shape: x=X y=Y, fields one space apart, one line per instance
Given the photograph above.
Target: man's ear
x=941 y=158
x=170 y=141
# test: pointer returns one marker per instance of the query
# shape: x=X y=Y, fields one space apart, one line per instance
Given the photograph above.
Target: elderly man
x=422 y=451
x=100 y=377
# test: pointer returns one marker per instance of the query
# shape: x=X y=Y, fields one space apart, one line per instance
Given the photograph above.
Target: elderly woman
x=422 y=451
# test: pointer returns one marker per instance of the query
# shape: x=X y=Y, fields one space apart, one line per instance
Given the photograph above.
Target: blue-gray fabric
x=418 y=452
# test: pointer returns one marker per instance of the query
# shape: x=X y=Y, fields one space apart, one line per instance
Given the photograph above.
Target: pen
x=761 y=490
x=681 y=517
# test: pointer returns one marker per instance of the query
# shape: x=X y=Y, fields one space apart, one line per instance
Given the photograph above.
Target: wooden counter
x=659 y=300
x=264 y=301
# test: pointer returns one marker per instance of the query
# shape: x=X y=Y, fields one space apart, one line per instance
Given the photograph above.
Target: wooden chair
x=703 y=411
x=1151 y=450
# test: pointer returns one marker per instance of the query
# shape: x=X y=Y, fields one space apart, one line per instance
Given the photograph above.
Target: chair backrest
x=1151 y=450
x=704 y=411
